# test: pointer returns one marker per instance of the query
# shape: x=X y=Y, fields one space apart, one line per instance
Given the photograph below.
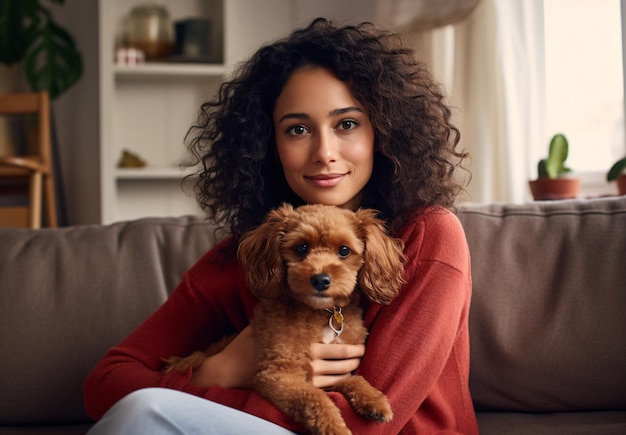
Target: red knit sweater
x=417 y=351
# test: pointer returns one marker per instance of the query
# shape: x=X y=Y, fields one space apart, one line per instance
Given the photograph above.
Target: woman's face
x=324 y=138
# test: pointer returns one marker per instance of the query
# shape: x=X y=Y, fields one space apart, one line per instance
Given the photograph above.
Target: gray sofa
x=548 y=316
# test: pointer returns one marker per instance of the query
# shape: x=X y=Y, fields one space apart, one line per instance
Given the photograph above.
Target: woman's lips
x=326 y=180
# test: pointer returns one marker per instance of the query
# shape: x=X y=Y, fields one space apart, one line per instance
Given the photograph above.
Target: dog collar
x=336 y=317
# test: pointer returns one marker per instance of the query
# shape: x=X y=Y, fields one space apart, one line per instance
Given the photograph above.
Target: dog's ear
x=382 y=274
x=259 y=254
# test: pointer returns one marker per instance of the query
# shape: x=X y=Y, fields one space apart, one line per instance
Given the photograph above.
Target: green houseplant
x=618 y=173
x=552 y=180
x=41 y=53
x=45 y=52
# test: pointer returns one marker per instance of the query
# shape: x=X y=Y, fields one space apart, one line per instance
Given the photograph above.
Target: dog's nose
x=321 y=281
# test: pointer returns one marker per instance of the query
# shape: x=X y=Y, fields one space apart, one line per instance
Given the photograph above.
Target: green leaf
x=616 y=170
x=29 y=35
x=18 y=22
x=53 y=62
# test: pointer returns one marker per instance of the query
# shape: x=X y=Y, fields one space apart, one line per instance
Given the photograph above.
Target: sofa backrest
x=548 y=313
x=547 y=321
x=67 y=295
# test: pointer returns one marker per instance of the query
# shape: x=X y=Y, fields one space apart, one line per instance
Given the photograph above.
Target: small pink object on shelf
x=129 y=56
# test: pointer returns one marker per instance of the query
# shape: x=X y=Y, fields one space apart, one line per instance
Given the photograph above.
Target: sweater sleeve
x=187 y=321
x=418 y=348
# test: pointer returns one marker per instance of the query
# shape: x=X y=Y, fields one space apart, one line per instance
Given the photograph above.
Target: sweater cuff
x=181 y=381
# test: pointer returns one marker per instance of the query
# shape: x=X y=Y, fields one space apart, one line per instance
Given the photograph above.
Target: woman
x=343 y=116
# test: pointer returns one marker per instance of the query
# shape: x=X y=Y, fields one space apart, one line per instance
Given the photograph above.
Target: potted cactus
x=553 y=180
x=618 y=173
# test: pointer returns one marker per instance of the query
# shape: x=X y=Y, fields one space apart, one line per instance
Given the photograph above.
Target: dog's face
x=317 y=254
x=323 y=256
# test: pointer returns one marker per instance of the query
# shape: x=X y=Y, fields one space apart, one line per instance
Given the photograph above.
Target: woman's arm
x=189 y=320
x=418 y=347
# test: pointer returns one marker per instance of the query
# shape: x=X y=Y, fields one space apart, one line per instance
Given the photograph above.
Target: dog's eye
x=302 y=249
x=343 y=251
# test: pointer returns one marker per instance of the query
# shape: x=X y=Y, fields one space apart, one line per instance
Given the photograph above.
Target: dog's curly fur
x=301 y=263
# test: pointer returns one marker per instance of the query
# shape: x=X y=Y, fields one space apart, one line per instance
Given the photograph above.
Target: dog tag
x=336 y=317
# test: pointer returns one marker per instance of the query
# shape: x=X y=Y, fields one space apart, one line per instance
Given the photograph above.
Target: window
x=584 y=80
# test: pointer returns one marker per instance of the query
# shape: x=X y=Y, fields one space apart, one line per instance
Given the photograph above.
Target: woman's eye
x=297 y=130
x=348 y=124
x=344 y=251
x=302 y=249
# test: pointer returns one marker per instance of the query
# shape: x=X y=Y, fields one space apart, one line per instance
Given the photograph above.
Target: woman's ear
x=382 y=274
x=259 y=254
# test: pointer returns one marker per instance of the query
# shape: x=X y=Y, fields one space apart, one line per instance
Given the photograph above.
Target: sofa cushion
x=67 y=295
x=548 y=314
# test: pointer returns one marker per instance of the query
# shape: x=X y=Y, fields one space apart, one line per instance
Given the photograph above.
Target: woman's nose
x=325 y=148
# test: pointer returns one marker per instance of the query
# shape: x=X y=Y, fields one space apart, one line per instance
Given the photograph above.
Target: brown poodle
x=309 y=267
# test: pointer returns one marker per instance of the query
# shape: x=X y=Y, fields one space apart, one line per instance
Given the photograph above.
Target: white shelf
x=148 y=108
x=170 y=69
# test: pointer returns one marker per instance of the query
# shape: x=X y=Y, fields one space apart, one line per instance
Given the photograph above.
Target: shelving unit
x=147 y=109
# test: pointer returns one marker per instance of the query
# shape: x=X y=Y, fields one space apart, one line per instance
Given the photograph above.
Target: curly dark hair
x=240 y=177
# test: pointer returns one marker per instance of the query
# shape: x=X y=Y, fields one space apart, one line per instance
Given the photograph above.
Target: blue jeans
x=157 y=411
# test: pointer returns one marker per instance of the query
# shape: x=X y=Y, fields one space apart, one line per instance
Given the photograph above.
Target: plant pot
x=621 y=184
x=545 y=188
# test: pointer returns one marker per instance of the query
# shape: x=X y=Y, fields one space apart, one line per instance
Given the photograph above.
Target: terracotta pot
x=621 y=184
x=554 y=188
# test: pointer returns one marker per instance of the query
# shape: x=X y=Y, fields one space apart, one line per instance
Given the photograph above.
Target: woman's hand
x=333 y=362
x=233 y=367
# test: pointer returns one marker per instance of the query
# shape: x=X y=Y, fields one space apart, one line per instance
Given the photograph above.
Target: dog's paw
x=181 y=365
x=380 y=411
x=171 y=364
x=373 y=406
x=365 y=399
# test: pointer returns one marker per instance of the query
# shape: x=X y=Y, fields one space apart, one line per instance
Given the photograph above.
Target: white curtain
x=491 y=64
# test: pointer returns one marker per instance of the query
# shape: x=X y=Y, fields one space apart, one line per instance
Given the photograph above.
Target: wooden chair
x=31 y=172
